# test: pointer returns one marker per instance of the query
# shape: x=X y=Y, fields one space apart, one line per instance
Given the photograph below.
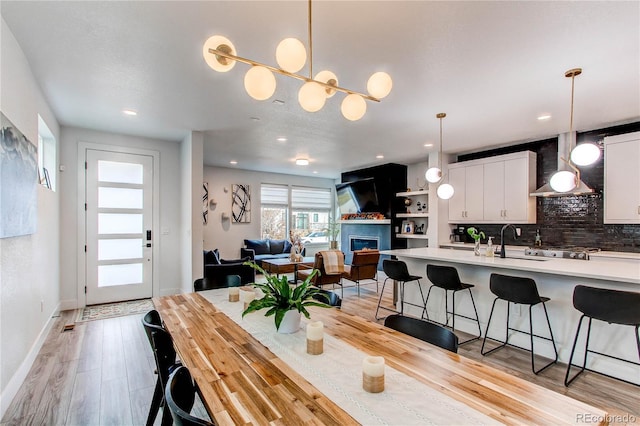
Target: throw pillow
x=277 y=246
x=287 y=247
x=226 y=262
x=258 y=246
x=211 y=257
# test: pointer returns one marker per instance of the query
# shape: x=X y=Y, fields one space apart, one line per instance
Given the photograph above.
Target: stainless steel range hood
x=564 y=150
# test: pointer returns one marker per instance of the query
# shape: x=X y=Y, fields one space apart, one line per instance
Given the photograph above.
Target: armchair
x=364 y=266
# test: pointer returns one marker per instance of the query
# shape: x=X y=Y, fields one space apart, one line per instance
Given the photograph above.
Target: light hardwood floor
x=101 y=373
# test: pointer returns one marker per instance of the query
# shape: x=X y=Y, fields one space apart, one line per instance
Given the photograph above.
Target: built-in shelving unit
x=420 y=216
x=413 y=236
x=412 y=215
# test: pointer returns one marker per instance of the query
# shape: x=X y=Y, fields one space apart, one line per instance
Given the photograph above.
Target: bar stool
x=396 y=270
x=613 y=306
x=447 y=278
x=521 y=291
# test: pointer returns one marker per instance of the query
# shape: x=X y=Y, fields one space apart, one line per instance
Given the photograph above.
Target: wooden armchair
x=364 y=266
x=323 y=278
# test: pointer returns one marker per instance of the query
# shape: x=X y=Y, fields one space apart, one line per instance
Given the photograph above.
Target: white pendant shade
x=433 y=175
x=329 y=78
x=291 y=55
x=312 y=96
x=219 y=63
x=353 y=107
x=445 y=191
x=260 y=83
x=379 y=85
x=585 y=154
x=563 y=181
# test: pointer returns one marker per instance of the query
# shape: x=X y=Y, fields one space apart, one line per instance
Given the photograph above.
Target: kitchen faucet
x=515 y=236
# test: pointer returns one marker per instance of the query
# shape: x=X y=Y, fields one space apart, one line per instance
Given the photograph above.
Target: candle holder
x=246 y=295
x=315 y=338
x=373 y=374
x=234 y=294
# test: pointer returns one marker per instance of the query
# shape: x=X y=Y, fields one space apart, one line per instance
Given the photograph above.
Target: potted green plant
x=476 y=235
x=285 y=303
x=333 y=230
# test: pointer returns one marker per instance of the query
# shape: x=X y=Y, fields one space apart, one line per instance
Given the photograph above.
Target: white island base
x=556 y=279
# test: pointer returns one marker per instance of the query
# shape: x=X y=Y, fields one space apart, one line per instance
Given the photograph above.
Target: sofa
x=216 y=270
x=259 y=250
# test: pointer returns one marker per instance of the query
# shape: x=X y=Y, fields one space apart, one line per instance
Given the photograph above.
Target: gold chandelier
x=291 y=56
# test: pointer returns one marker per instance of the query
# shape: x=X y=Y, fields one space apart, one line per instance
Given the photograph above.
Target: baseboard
x=10 y=391
x=67 y=305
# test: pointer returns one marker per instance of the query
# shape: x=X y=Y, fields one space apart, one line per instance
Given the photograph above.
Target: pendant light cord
x=310 y=45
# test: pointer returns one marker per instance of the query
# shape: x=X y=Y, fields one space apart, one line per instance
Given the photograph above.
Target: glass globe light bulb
x=433 y=175
x=353 y=107
x=260 y=83
x=291 y=55
x=585 y=154
x=563 y=181
x=312 y=96
x=329 y=78
x=216 y=62
x=445 y=191
x=379 y=85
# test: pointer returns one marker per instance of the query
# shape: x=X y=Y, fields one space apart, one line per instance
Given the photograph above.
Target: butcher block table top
x=242 y=382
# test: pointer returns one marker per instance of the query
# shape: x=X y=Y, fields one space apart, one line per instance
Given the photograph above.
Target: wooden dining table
x=241 y=381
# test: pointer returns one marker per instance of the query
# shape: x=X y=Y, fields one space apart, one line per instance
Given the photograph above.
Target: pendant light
x=444 y=191
x=434 y=174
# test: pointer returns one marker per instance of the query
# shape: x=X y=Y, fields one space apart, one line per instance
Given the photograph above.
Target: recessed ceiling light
x=544 y=117
x=129 y=112
x=233 y=162
x=379 y=156
x=302 y=162
x=281 y=139
x=315 y=172
x=428 y=145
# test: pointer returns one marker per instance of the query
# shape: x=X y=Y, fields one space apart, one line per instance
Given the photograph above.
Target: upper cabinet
x=494 y=189
x=622 y=178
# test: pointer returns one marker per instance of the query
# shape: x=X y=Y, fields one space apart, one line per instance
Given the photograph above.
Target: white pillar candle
x=234 y=294
x=373 y=366
x=315 y=330
x=247 y=295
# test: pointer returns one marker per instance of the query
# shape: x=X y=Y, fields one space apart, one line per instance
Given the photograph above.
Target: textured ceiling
x=493 y=67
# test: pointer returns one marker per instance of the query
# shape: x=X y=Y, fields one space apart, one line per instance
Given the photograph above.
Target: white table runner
x=337 y=373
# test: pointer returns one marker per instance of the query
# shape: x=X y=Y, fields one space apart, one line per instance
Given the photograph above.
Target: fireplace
x=357 y=242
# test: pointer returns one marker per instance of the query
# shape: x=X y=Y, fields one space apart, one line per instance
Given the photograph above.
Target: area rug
x=112 y=310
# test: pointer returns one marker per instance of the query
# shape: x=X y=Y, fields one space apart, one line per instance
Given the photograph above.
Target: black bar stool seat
x=521 y=291
x=447 y=278
x=396 y=270
x=612 y=306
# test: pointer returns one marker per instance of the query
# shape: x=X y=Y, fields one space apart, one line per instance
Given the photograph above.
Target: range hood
x=564 y=150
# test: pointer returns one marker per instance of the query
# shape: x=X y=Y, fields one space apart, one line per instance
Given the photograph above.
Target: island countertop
x=598 y=268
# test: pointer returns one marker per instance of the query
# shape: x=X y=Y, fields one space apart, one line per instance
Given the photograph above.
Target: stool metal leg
x=424 y=311
x=567 y=381
x=531 y=335
x=486 y=332
x=380 y=300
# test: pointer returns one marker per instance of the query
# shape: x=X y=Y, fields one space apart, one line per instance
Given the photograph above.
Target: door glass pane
x=119 y=198
x=112 y=223
x=113 y=171
x=120 y=249
x=112 y=275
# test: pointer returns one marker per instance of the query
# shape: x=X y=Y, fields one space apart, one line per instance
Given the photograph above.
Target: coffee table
x=284 y=266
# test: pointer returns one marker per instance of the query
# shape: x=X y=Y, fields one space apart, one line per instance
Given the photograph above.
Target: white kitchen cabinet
x=507 y=184
x=467 y=202
x=622 y=178
x=494 y=189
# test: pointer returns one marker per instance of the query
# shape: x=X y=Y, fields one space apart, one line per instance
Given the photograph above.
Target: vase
x=333 y=245
x=291 y=322
x=476 y=248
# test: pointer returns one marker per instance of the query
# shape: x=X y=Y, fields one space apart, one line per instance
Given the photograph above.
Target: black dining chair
x=447 y=278
x=611 y=306
x=328 y=297
x=523 y=291
x=180 y=394
x=424 y=330
x=165 y=357
x=396 y=270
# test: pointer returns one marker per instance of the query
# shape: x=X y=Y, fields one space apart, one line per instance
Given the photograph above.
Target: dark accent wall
x=571 y=221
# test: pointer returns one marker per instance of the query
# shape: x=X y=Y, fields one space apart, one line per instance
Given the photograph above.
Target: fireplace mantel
x=367 y=222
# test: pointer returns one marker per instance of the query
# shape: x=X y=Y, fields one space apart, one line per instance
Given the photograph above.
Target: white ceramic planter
x=291 y=322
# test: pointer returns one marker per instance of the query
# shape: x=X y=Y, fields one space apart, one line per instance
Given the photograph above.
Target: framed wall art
x=240 y=203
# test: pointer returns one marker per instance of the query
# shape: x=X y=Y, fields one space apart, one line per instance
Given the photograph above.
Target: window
x=274 y=205
x=46 y=155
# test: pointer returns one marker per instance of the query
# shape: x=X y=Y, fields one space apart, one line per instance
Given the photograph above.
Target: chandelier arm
x=289 y=74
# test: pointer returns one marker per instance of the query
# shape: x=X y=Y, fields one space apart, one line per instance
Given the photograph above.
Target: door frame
x=81 y=276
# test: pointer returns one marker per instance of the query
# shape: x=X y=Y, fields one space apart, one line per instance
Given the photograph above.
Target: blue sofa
x=259 y=250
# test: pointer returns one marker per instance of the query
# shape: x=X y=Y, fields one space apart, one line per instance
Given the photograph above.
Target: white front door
x=119 y=237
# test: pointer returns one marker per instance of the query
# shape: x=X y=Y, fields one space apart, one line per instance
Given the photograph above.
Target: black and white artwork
x=205 y=202
x=18 y=182
x=240 y=203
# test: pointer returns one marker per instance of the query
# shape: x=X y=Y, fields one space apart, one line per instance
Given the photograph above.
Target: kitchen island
x=556 y=279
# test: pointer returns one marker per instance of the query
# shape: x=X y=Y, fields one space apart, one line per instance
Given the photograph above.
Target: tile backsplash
x=570 y=221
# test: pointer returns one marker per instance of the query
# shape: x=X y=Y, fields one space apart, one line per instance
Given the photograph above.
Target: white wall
x=170 y=257
x=191 y=151
x=229 y=237
x=29 y=265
